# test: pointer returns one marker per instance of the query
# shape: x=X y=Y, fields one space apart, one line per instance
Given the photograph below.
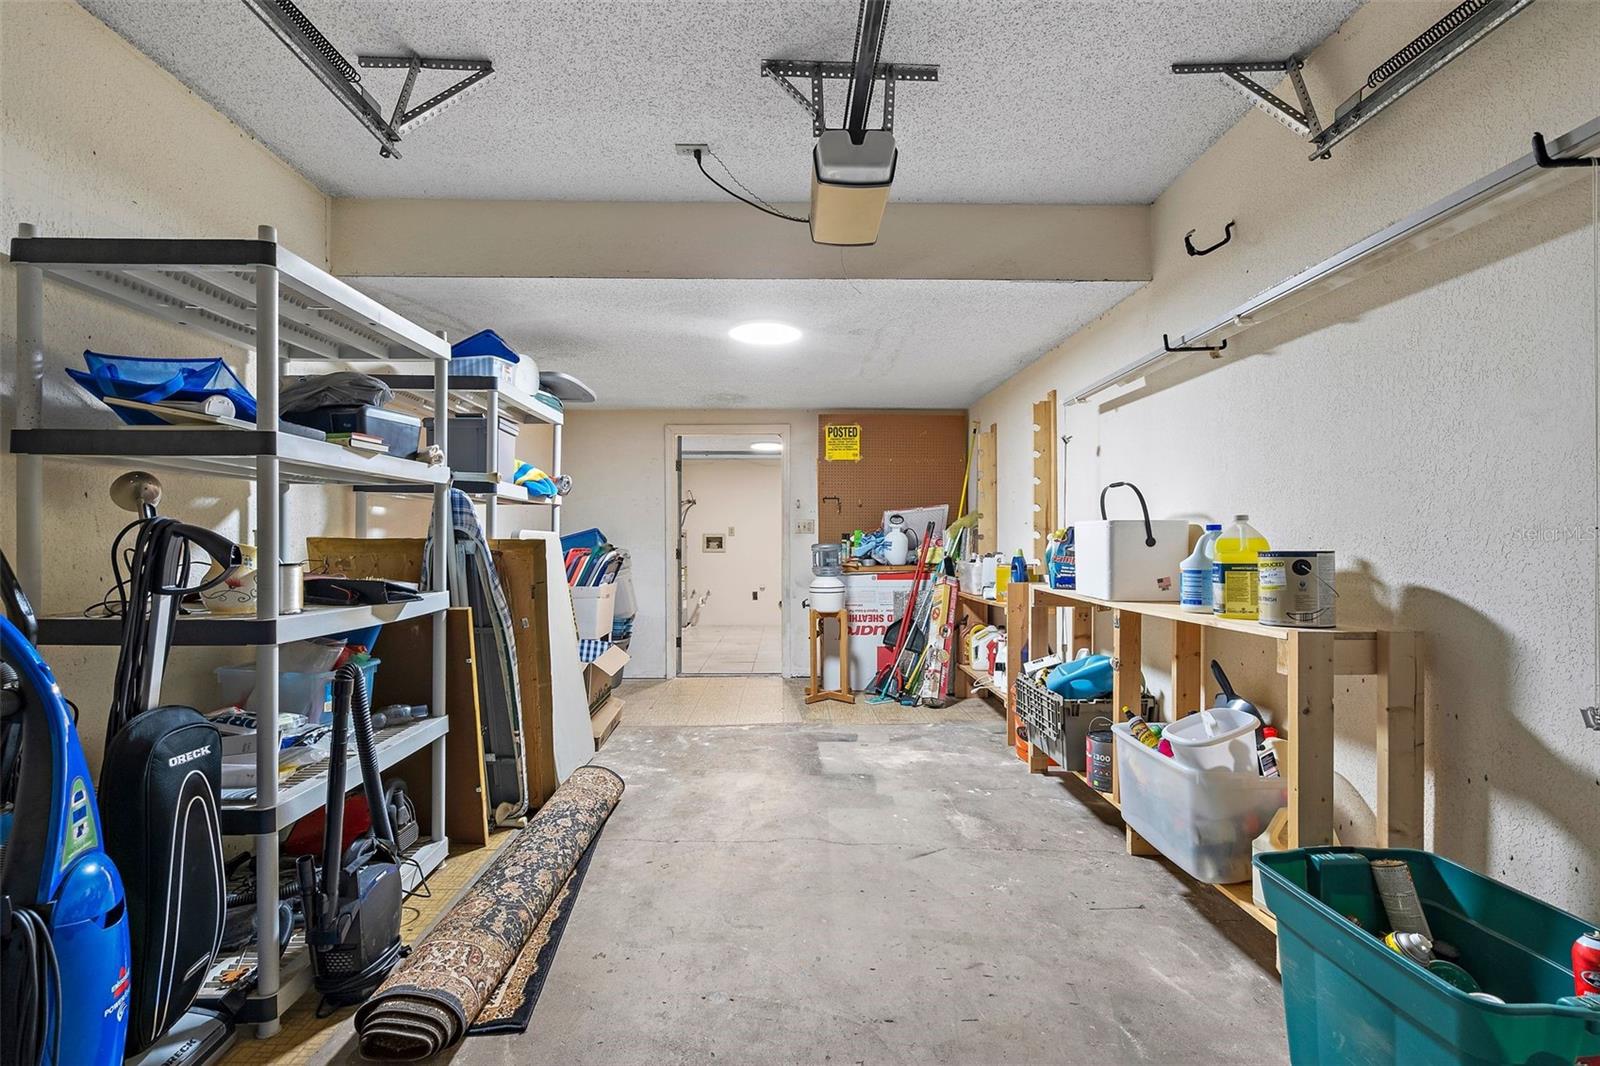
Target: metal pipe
x=443 y=535
x=869 y=43
x=491 y=437
x=269 y=547
x=29 y=415
x=555 y=458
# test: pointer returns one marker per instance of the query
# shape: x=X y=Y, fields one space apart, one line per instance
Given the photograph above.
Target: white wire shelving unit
x=492 y=398
x=257 y=296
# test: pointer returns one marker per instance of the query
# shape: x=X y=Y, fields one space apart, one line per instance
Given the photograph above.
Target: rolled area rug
x=430 y=1000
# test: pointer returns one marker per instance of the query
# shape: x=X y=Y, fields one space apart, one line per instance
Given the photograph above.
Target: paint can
x=1414 y=946
x=1098 y=753
x=1586 y=964
x=1296 y=588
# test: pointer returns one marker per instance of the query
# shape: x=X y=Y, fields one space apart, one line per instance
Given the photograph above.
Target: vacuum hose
x=354 y=681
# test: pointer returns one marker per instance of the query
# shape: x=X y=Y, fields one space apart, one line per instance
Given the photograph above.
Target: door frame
x=673 y=493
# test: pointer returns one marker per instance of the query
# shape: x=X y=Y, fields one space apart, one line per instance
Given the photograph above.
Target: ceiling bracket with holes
x=319 y=56
x=1459 y=29
x=812 y=73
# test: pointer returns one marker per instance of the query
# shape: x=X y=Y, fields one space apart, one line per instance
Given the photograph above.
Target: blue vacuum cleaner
x=64 y=948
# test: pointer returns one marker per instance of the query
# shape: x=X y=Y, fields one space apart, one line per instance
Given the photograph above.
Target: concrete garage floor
x=883 y=894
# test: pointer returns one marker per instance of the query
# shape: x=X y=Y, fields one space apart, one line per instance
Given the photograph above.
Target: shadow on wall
x=1562 y=211
x=1468 y=693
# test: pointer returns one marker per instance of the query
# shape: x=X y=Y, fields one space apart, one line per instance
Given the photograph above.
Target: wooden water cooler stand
x=815 y=693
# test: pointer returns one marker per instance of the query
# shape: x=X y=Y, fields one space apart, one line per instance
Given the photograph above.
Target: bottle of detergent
x=1194 y=573
x=1019 y=568
x=1233 y=575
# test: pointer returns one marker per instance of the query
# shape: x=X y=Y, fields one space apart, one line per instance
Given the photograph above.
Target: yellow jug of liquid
x=1233 y=575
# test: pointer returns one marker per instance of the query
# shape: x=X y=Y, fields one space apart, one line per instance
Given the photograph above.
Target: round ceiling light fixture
x=766 y=334
x=767 y=446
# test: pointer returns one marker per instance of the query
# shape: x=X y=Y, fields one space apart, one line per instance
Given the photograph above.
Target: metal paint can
x=1296 y=588
x=1414 y=946
x=1586 y=964
x=1098 y=753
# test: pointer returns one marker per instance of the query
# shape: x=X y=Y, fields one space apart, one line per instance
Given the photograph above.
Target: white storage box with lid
x=1203 y=820
x=595 y=607
x=1130 y=559
x=310 y=694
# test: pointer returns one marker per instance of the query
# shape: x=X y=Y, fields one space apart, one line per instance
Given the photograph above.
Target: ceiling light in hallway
x=764 y=333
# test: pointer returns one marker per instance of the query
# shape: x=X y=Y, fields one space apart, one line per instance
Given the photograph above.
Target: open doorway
x=730 y=553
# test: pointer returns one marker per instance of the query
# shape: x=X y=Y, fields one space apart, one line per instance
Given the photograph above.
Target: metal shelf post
x=269 y=548
x=29 y=415
x=443 y=536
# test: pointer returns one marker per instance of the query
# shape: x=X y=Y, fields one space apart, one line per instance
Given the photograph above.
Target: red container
x=1586 y=963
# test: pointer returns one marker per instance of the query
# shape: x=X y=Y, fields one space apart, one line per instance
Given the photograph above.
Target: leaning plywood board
x=560 y=674
x=869 y=462
x=406 y=677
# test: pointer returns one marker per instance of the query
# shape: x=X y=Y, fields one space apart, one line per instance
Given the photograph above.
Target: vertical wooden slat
x=1019 y=603
x=1187 y=678
x=986 y=499
x=1310 y=746
x=1044 y=471
x=1400 y=742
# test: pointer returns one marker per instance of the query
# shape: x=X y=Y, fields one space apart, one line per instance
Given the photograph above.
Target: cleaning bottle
x=1194 y=573
x=1002 y=578
x=1019 y=568
x=1233 y=575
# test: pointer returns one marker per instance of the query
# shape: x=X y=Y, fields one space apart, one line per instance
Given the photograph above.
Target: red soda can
x=1586 y=963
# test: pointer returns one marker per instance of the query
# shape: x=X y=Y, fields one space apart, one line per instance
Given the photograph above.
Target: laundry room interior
x=640 y=531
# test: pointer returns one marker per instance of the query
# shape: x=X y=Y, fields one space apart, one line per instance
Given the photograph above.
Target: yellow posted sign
x=842 y=443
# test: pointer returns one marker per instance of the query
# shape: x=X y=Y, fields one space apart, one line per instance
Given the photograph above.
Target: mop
x=882 y=679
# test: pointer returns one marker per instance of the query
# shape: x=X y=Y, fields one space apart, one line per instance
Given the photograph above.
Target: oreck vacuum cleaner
x=352 y=905
x=64 y=983
x=161 y=782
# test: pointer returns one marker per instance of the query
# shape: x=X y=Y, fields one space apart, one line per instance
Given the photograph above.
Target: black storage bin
x=401 y=432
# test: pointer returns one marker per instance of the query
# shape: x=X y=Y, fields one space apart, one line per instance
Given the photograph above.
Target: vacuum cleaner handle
x=18 y=609
x=220 y=548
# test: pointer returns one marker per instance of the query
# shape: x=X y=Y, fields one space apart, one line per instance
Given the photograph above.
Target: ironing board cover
x=472 y=569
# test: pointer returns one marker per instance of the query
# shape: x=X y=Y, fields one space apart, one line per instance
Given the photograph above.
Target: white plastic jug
x=897 y=542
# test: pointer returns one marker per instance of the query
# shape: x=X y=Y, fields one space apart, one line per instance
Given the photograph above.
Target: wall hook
x=1227 y=235
x=1541 y=155
x=1167 y=344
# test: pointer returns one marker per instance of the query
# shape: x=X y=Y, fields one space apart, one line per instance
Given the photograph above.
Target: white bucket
x=1217 y=738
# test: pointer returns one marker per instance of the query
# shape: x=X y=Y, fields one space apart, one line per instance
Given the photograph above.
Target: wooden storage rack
x=974 y=610
x=1310 y=659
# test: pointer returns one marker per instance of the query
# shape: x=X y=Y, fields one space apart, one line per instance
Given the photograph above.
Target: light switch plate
x=806 y=525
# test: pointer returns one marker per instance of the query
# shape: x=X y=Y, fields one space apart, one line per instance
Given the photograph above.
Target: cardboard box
x=603 y=675
x=605 y=721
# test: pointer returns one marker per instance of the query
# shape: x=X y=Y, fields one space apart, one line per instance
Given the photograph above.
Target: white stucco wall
x=621 y=483
x=1433 y=423
x=96 y=140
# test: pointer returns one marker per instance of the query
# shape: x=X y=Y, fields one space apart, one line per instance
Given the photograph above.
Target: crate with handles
x=1058 y=726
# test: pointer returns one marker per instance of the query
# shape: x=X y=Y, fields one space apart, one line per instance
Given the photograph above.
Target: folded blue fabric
x=1088 y=678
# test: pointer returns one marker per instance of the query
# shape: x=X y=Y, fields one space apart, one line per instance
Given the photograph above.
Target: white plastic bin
x=1203 y=820
x=595 y=607
x=309 y=694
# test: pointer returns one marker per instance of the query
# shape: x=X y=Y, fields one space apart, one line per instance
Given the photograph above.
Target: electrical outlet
x=690 y=149
x=806 y=525
x=730 y=531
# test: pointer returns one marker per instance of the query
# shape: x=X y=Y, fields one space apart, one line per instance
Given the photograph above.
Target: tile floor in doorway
x=711 y=649
x=704 y=701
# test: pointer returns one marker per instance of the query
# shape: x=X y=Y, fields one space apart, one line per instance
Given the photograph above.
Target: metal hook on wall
x=1542 y=156
x=1188 y=243
x=1167 y=344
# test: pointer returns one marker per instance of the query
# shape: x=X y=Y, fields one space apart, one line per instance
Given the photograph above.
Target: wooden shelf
x=973 y=597
x=1108 y=797
x=1309 y=660
x=1241 y=894
x=982 y=680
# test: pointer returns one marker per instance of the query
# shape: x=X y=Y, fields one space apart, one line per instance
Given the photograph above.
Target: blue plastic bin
x=1349 y=999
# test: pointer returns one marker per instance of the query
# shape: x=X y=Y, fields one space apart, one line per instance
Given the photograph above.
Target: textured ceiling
x=661 y=343
x=1040 y=101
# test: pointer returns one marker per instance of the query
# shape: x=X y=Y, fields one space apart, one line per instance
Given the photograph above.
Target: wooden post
x=1310 y=746
x=1188 y=680
x=1019 y=606
x=1127 y=685
x=1400 y=742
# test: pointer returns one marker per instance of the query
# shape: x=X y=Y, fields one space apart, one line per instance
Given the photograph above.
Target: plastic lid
x=1213 y=525
x=1241 y=518
x=1268 y=731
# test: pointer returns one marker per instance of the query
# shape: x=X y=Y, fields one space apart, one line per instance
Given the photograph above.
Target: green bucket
x=1349 y=999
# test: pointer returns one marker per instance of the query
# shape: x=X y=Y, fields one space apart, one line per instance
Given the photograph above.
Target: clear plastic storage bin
x=309 y=694
x=1203 y=820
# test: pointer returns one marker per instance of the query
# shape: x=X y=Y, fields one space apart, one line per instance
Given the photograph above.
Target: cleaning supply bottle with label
x=1233 y=575
x=1002 y=578
x=1194 y=573
x=1019 y=568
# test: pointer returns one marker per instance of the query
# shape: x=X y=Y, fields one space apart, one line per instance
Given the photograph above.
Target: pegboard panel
x=908 y=459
